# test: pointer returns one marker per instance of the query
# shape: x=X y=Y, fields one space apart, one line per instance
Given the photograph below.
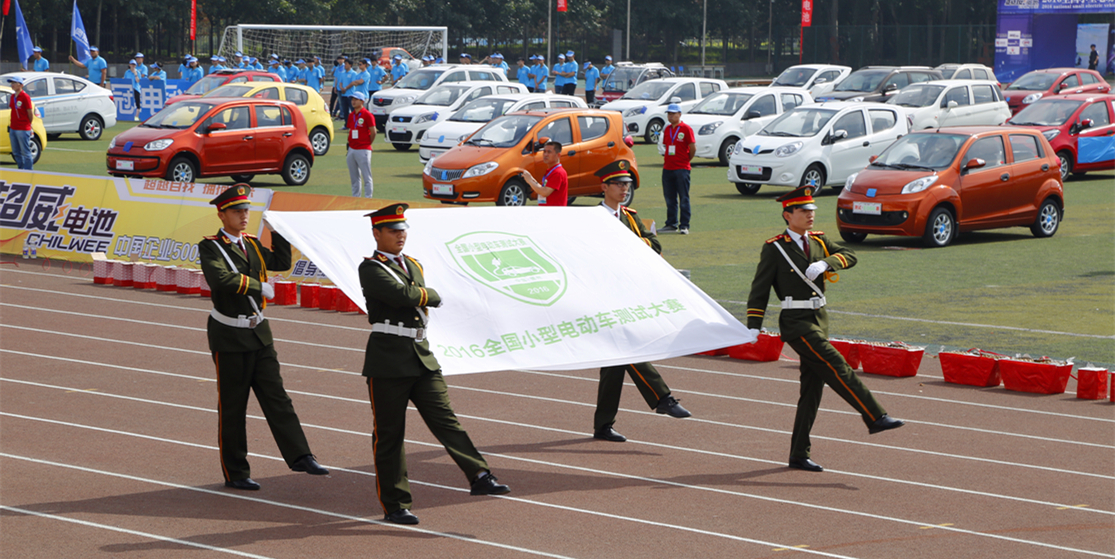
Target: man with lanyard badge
x=554 y=188
x=678 y=140
x=19 y=128
x=361 y=133
x=803 y=323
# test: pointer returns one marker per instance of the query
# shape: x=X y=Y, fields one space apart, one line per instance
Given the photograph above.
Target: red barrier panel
x=186 y=282
x=122 y=274
x=1040 y=376
x=286 y=293
x=326 y=297
x=1091 y=383
x=973 y=367
x=102 y=272
x=1111 y=387
x=344 y=303
x=895 y=359
x=849 y=349
x=310 y=292
x=165 y=278
x=767 y=348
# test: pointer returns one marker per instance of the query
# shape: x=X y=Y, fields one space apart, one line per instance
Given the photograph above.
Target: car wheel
x=853 y=237
x=1048 y=220
x=726 y=150
x=654 y=131
x=181 y=169
x=1066 y=165
x=319 y=139
x=401 y=147
x=813 y=176
x=36 y=149
x=243 y=178
x=91 y=128
x=748 y=188
x=53 y=136
x=630 y=195
x=570 y=201
x=296 y=169
x=514 y=193
x=940 y=229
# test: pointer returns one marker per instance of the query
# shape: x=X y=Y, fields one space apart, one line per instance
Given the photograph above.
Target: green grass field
x=1003 y=290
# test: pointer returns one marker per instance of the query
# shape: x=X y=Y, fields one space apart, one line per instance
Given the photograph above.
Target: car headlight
x=848 y=182
x=709 y=128
x=425 y=118
x=1031 y=98
x=634 y=111
x=738 y=149
x=426 y=169
x=481 y=169
x=919 y=184
x=158 y=145
x=855 y=99
x=1050 y=134
x=404 y=100
x=788 y=149
x=112 y=143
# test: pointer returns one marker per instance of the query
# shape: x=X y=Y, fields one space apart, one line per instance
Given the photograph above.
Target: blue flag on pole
x=22 y=37
x=77 y=31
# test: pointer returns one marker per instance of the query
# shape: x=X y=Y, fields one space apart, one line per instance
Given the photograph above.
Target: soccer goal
x=329 y=41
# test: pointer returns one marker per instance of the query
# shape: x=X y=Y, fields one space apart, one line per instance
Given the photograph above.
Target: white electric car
x=419 y=81
x=815 y=78
x=952 y=103
x=728 y=116
x=69 y=103
x=644 y=106
x=407 y=125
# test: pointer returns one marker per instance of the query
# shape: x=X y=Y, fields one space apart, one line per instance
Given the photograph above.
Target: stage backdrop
x=530 y=288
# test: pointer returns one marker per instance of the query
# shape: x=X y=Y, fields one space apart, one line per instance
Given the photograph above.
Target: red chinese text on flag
x=806 y=13
x=562 y=5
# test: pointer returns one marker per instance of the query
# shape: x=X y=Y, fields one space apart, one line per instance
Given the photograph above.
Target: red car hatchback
x=1080 y=127
x=212 y=137
x=219 y=78
x=1052 y=81
x=938 y=183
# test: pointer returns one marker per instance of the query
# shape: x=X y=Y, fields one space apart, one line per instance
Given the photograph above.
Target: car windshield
x=921 y=151
x=237 y=90
x=1034 y=81
x=178 y=115
x=648 y=91
x=206 y=84
x=504 y=132
x=863 y=81
x=420 y=79
x=917 y=96
x=1047 y=112
x=622 y=79
x=794 y=77
x=799 y=123
x=722 y=104
x=442 y=96
x=5 y=97
x=947 y=71
x=482 y=110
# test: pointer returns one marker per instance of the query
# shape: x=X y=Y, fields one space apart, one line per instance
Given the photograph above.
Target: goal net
x=330 y=41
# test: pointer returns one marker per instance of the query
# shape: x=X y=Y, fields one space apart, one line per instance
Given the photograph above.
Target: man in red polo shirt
x=678 y=140
x=23 y=113
x=361 y=134
x=554 y=188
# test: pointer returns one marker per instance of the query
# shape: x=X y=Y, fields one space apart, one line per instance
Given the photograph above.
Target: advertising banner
x=152 y=96
x=69 y=217
x=1056 y=6
x=806 y=13
x=523 y=289
x=1091 y=36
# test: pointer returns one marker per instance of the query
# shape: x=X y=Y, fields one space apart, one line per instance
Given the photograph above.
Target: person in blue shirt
x=314 y=74
x=291 y=73
x=541 y=75
x=335 y=93
x=439 y=60
x=276 y=68
x=571 y=70
x=360 y=81
x=140 y=66
x=592 y=75
x=559 y=73
x=399 y=70
x=523 y=75
x=257 y=64
x=133 y=76
x=299 y=70
x=157 y=72
x=344 y=85
x=193 y=73
x=38 y=63
x=607 y=69
x=96 y=66
x=216 y=64
x=237 y=60
x=376 y=77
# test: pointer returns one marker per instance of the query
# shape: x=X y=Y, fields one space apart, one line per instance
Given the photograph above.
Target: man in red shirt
x=19 y=130
x=554 y=188
x=361 y=134
x=678 y=140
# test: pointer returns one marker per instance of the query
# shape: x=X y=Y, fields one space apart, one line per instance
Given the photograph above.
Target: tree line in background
x=661 y=30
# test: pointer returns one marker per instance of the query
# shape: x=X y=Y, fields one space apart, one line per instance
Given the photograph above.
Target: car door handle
x=572 y=152
x=288 y=134
x=613 y=144
x=1045 y=167
x=1004 y=177
x=249 y=137
x=865 y=144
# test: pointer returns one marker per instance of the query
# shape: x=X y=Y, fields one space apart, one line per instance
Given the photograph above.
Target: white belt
x=241 y=321
x=814 y=303
x=386 y=327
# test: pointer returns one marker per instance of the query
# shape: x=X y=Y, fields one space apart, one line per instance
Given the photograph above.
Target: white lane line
x=469 y=539
x=147 y=535
x=50 y=148
x=591 y=512
x=568 y=432
x=951 y=323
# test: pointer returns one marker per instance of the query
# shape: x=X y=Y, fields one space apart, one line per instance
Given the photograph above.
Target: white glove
x=268 y=290
x=815 y=269
x=754 y=334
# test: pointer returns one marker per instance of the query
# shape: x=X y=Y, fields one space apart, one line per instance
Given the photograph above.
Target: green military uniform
x=399 y=368
x=806 y=329
x=245 y=356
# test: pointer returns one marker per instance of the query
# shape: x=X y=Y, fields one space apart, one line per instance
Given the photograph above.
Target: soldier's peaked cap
x=233 y=197
x=800 y=197
x=619 y=170
x=390 y=216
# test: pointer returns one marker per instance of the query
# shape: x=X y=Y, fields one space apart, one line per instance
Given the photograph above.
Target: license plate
x=398 y=130
x=125 y=165
x=443 y=189
x=379 y=111
x=872 y=208
x=750 y=170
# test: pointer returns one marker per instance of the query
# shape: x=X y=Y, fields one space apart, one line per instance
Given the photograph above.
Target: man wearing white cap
x=541 y=74
x=465 y=58
x=497 y=61
x=522 y=73
x=19 y=129
x=559 y=74
x=607 y=69
x=399 y=70
x=192 y=73
x=592 y=75
x=39 y=63
x=570 y=74
x=361 y=133
x=237 y=60
x=133 y=75
x=96 y=66
x=139 y=65
x=157 y=72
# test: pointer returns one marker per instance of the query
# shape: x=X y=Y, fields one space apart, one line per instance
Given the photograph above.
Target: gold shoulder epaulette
x=631 y=210
x=249 y=235
x=411 y=258
x=775 y=238
x=380 y=257
x=815 y=233
x=210 y=238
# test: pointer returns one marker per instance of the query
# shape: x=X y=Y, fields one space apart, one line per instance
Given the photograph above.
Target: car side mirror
x=752 y=114
x=541 y=143
x=1062 y=85
x=952 y=105
x=820 y=81
x=890 y=87
x=675 y=99
x=974 y=163
x=872 y=158
x=1086 y=123
x=837 y=135
x=216 y=126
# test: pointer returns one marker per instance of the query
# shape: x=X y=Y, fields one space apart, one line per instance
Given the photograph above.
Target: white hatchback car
x=407 y=125
x=69 y=103
x=816 y=78
x=644 y=106
x=815 y=145
x=952 y=103
x=446 y=134
x=418 y=81
x=728 y=116
x=954 y=71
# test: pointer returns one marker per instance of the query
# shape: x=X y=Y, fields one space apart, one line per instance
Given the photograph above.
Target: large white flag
x=530 y=288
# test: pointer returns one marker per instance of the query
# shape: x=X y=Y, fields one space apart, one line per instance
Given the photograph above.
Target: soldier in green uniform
x=616 y=178
x=235 y=265
x=795 y=264
x=400 y=367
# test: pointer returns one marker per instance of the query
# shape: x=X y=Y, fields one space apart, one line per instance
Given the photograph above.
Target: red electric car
x=1052 y=81
x=1080 y=127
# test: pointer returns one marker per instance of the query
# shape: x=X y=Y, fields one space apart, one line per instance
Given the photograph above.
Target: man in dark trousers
x=795 y=264
x=400 y=367
x=616 y=177
x=235 y=265
x=680 y=145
